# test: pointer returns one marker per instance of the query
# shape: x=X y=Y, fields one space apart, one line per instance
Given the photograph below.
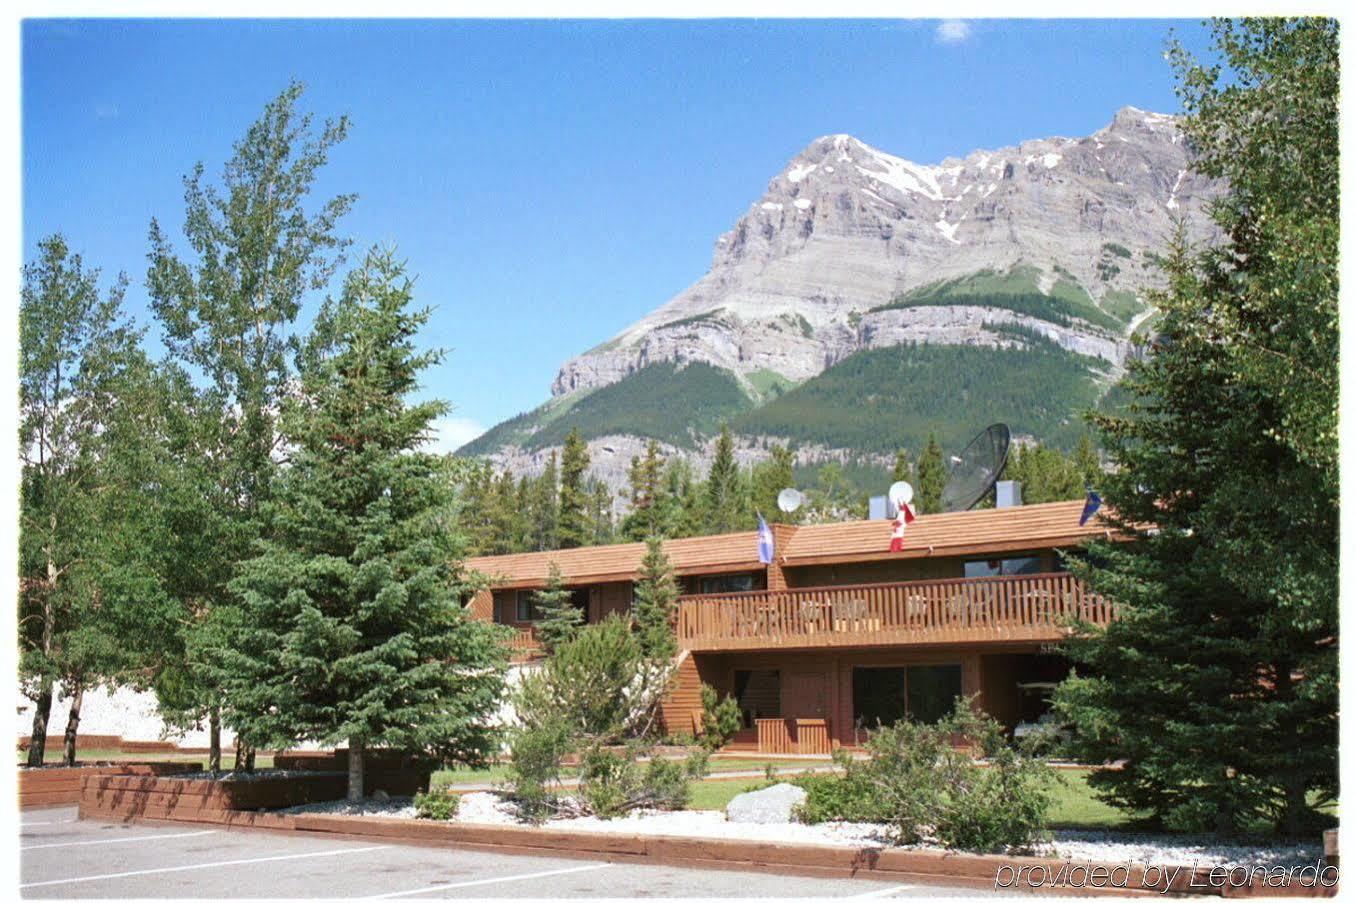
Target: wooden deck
x=1033 y=608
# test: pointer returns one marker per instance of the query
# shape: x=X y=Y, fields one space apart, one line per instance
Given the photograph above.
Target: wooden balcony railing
x=1036 y=607
x=524 y=644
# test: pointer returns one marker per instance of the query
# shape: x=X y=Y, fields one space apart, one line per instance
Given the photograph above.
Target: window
x=925 y=693
x=931 y=691
x=759 y=694
x=529 y=610
x=1003 y=566
x=877 y=696
x=527 y=606
x=727 y=583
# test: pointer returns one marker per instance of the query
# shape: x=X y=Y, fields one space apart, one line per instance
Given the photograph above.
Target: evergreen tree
x=228 y=312
x=502 y=515
x=573 y=518
x=683 y=503
x=655 y=603
x=768 y=479
x=558 y=618
x=1085 y=461
x=646 y=479
x=600 y=513
x=1046 y=474
x=350 y=624
x=1217 y=685
x=903 y=468
x=544 y=510
x=931 y=478
x=722 y=488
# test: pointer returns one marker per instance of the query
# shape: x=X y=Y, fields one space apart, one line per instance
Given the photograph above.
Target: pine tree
x=1217 y=685
x=931 y=478
x=1085 y=461
x=558 y=618
x=573 y=519
x=722 y=488
x=903 y=468
x=655 y=603
x=768 y=480
x=544 y=510
x=350 y=624
x=646 y=478
x=600 y=513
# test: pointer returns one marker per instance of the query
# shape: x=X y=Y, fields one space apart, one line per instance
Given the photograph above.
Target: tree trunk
x=249 y=758
x=214 y=740
x=37 y=740
x=239 y=755
x=1295 y=813
x=73 y=722
x=355 y=769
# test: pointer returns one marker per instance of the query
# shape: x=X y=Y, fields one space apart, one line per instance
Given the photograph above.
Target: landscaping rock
x=771 y=806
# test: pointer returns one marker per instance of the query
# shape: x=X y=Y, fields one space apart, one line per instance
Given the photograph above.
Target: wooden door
x=806 y=695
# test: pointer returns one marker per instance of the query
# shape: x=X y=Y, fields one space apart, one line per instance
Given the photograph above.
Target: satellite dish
x=789 y=500
x=976 y=469
x=900 y=494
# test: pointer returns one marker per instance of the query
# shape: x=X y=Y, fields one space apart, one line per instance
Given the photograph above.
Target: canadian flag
x=905 y=516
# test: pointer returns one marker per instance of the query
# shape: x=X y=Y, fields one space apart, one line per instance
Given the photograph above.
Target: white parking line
x=883 y=892
x=483 y=881
x=200 y=865
x=139 y=837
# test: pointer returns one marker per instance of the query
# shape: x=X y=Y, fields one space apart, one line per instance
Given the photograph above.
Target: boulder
x=770 y=806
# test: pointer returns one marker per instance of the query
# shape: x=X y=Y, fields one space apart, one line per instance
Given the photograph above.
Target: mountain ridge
x=851 y=249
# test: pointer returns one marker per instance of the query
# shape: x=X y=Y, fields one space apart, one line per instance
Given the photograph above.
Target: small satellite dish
x=976 y=468
x=789 y=500
x=900 y=494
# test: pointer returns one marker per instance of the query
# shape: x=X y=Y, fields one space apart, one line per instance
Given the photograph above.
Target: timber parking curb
x=963 y=869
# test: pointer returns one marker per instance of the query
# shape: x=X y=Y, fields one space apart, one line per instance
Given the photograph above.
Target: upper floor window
x=529 y=610
x=726 y=583
x=996 y=567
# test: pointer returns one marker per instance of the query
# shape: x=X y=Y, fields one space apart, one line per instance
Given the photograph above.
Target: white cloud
x=451 y=433
x=952 y=31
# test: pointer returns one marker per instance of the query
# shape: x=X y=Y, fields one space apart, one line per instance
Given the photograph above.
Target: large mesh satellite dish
x=976 y=469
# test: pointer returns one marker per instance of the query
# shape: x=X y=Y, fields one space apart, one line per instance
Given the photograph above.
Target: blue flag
x=1090 y=507
x=765 y=543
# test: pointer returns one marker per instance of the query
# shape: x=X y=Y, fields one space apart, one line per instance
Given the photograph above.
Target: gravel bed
x=1080 y=846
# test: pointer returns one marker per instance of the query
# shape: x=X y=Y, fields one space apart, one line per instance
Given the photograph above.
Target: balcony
x=1030 y=608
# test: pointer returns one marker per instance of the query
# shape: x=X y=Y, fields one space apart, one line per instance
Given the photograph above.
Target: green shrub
x=849 y=796
x=721 y=718
x=928 y=787
x=437 y=805
x=614 y=782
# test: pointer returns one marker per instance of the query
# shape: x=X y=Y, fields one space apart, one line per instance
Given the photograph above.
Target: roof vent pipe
x=1008 y=494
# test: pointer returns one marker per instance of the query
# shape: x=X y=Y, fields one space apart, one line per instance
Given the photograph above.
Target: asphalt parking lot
x=63 y=857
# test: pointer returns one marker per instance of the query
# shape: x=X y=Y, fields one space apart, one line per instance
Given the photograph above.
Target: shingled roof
x=988 y=531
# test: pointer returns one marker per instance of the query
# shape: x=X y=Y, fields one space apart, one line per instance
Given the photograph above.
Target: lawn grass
x=717 y=794
x=53 y=755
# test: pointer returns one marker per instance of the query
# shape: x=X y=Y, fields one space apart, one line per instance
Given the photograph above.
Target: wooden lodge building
x=838 y=632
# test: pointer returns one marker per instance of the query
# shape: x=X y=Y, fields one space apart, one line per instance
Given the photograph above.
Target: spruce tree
x=1217 y=684
x=646 y=478
x=655 y=603
x=558 y=618
x=768 y=479
x=350 y=625
x=600 y=513
x=722 y=488
x=573 y=526
x=903 y=468
x=544 y=510
x=931 y=478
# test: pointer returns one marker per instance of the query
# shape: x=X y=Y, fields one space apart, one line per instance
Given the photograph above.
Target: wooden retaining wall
x=60 y=786
x=128 y=796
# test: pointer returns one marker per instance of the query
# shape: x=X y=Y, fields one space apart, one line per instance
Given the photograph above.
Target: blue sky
x=550 y=182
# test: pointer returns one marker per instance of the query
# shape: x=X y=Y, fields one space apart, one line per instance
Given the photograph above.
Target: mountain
x=856 y=271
